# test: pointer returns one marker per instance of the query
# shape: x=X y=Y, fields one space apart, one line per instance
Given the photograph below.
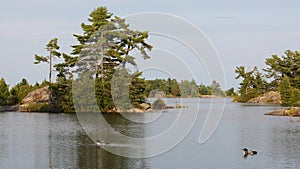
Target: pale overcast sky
x=243 y=32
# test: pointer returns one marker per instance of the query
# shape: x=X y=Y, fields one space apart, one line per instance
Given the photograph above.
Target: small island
x=114 y=42
x=278 y=84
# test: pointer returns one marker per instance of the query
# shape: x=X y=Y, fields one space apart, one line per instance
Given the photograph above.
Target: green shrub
x=37 y=107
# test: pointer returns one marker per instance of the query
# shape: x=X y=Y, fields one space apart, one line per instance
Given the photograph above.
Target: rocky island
x=293 y=112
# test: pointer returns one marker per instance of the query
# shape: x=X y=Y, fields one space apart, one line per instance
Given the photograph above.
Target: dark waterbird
x=100 y=143
x=248 y=152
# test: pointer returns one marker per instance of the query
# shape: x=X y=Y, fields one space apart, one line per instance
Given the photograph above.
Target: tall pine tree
x=52 y=47
x=106 y=45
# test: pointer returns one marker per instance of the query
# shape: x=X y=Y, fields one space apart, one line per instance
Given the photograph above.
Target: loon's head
x=245 y=151
x=100 y=143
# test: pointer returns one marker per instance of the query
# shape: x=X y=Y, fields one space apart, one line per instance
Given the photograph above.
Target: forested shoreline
x=62 y=100
x=282 y=75
x=104 y=49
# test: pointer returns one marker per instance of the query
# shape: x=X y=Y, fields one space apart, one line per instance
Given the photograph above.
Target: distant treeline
x=282 y=74
x=184 y=88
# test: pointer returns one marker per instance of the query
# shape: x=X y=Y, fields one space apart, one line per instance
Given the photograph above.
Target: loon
x=101 y=143
x=248 y=152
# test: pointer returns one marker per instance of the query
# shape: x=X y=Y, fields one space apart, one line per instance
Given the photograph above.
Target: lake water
x=41 y=140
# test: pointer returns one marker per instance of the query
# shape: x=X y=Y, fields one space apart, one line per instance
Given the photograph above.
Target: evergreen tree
x=188 y=88
x=287 y=65
x=289 y=94
x=205 y=90
x=52 y=47
x=98 y=18
x=285 y=90
x=127 y=89
x=216 y=89
x=230 y=92
x=20 y=91
x=64 y=68
x=106 y=44
x=175 y=91
x=62 y=97
x=137 y=90
x=252 y=85
x=62 y=90
x=194 y=89
x=167 y=87
x=4 y=92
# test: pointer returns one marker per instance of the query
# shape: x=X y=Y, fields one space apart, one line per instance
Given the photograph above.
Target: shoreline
x=291 y=112
x=11 y=108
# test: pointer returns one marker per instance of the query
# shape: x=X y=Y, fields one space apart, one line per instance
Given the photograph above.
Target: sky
x=242 y=32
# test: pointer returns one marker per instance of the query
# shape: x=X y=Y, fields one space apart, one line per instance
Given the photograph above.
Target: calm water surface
x=41 y=140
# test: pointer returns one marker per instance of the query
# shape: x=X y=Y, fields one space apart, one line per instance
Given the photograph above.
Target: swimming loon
x=101 y=143
x=249 y=152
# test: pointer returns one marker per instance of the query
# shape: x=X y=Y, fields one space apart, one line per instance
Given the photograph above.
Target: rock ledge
x=293 y=111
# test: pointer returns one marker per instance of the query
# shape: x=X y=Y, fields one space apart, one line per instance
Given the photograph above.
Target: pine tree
x=106 y=44
x=175 y=91
x=205 y=90
x=52 y=47
x=64 y=68
x=286 y=65
x=137 y=90
x=20 y=91
x=285 y=91
x=289 y=94
x=188 y=88
x=4 y=92
x=216 y=89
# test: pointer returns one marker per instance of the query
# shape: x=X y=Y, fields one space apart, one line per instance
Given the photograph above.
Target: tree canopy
x=282 y=74
x=4 y=92
x=52 y=47
x=106 y=46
